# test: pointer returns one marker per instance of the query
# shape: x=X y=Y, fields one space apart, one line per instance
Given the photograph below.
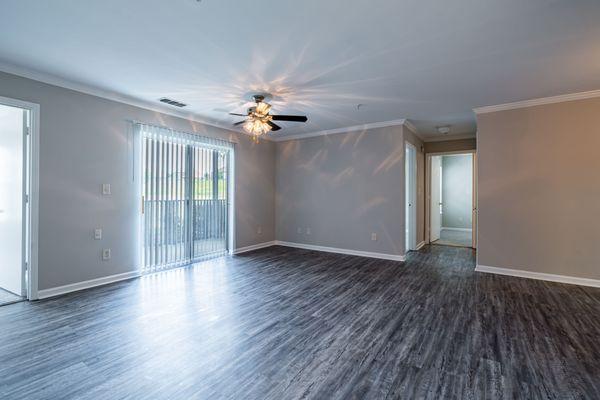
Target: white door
x=410 y=190
x=436 y=198
x=12 y=137
x=474 y=227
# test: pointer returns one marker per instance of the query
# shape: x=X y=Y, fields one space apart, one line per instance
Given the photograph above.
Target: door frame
x=428 y=192
x=30 y=195
x=138 y=174
x=410 y=230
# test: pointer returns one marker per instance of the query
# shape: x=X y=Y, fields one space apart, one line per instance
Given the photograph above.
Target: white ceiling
x=428 y=61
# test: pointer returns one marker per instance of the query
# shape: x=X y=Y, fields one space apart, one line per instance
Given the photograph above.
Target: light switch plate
x=97 y=233
x=373 y=236
x=106 y=189
x=106 y=254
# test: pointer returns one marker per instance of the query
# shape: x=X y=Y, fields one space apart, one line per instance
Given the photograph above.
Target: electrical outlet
x=106 y=189
x=259 y=230
x=308 y=231
x=106 y=254
x=98 y=233
x=299 y=230
x=373 y=236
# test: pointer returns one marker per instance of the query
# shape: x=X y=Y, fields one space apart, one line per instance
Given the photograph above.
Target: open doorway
x=16 y=200
x=451 y=208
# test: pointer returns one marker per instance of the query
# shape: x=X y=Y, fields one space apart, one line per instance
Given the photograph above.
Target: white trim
x=254 y=247
x=410 y=196
x=383 y=256
x=453 y=153
x=447 y=138
x=74 y=287
x=538 y=102
x=409 y=125
x=420 y=245
x=34 y=190
x=231 y=198
x=428 y=157
x=396 y=122
x=54 y=80
x=573 y=280
x=458 y=229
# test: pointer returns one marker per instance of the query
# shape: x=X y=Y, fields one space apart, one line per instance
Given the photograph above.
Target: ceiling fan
x=259 y=121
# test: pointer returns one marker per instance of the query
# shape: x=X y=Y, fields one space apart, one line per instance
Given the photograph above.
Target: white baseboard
x=240 y=250
x=458 y=229
x=420 y=245
x=539 y=275
x=74 y=287
x=369 y=254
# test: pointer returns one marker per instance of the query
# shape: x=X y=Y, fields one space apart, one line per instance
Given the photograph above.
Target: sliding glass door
x=185 y=197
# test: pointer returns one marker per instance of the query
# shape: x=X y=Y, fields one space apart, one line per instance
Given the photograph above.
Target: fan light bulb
x=262 y=109
x=257 y=126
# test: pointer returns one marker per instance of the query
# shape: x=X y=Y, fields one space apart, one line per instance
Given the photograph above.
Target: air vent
x=172 y=102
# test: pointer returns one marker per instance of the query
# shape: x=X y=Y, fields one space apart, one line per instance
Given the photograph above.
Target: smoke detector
x=444 y=130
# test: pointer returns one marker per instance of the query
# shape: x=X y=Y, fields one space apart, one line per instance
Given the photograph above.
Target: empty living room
x=215 y=199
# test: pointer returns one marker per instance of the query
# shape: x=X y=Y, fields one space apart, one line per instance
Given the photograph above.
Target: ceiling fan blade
x=295 y=118
x=273 y=126
x=239 y=115
x=238 y=123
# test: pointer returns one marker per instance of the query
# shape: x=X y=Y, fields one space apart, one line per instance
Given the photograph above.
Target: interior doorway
x=410 y=193
x=451 y=217
x=17 y=200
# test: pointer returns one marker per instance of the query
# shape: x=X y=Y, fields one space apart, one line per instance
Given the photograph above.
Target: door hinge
x=27 y=130
x=26 y=198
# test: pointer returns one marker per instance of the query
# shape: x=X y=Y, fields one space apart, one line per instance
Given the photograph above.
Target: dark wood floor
x=282 y=323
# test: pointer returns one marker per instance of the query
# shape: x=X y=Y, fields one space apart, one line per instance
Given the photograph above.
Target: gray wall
x=344 y=187
x=84 y=142
x=539 y=188
x=457 y=191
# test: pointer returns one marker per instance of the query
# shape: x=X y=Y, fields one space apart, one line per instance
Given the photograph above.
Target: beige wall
x=450 y=145
x=539 y=189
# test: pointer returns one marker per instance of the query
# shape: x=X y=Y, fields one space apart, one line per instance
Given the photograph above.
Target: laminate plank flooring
x=283 y=323
x=7 y=297
x=455 y=238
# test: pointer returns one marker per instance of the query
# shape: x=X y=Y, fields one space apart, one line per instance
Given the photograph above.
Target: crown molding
x=396 y=122
x=538 y=102
x=409 y=125
x=110 y=95
x=446 y=138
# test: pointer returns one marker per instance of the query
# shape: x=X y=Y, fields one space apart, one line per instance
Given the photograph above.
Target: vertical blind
x=185 y=197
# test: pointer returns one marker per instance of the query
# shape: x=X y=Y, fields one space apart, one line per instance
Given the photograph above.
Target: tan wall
x=539 y=189
x=450 y=145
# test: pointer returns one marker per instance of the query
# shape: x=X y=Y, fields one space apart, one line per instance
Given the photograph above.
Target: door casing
x=428 y=192
x=30 y=196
